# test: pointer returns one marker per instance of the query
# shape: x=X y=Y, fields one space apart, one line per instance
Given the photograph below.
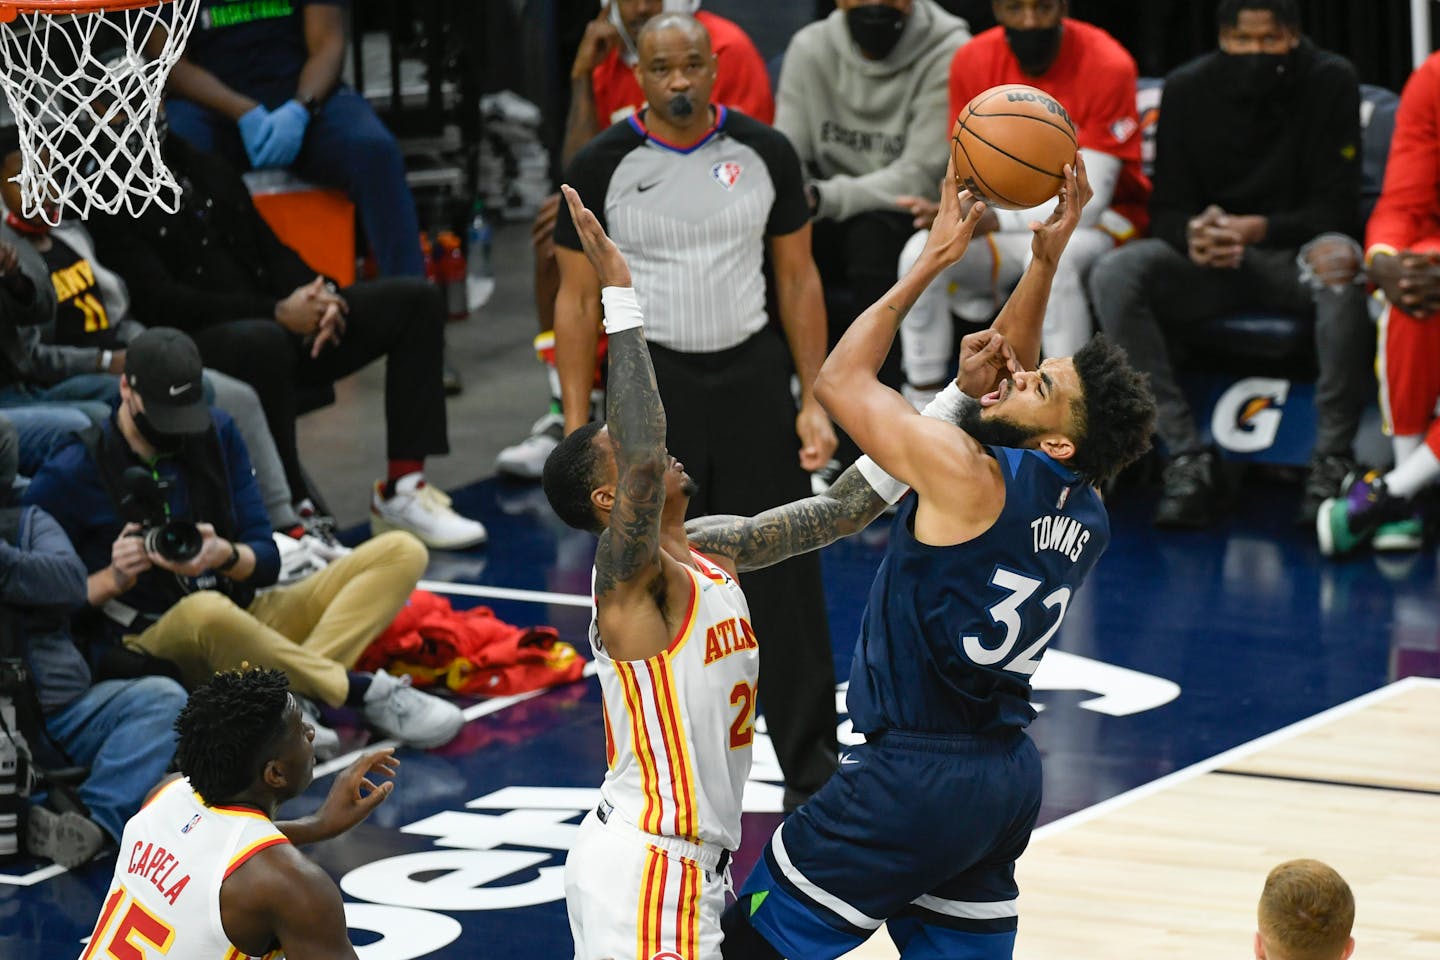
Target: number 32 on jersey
x=1006 y=612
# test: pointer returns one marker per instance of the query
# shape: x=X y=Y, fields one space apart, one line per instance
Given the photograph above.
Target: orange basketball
x=1011 y=144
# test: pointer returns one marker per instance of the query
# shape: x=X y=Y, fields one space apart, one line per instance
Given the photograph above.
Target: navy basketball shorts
x=919 y=832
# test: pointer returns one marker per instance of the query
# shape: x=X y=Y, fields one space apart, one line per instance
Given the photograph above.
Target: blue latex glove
x=253 y=126
x=285 y=131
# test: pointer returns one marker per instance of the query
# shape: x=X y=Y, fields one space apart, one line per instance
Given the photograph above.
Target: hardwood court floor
x=1174 y=868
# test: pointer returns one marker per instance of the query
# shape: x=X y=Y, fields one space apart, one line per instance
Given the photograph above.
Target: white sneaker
x=526 y=459
x=424 y=511
x=418 y=719
x=297 y=561
x=321 y=531
x=327 y=741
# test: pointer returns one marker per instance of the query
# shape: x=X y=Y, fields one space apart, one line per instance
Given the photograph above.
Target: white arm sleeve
x=1104 y=171
x=946 y=406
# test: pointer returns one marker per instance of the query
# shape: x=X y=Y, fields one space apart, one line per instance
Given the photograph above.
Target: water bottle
x=451 y=270
x=479 y=274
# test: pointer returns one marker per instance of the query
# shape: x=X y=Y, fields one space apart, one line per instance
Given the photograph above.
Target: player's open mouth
x=994 y=397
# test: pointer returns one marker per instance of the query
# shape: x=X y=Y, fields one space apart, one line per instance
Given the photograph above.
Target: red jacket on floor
x=470 y=651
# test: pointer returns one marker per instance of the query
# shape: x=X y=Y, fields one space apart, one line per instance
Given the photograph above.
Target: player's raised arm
x=881 y=421
x=1022 y=318
x=629 y=551
x=750 y=543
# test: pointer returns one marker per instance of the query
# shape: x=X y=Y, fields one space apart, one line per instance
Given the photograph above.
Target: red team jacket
x=1093 y=76
x=1408 y=211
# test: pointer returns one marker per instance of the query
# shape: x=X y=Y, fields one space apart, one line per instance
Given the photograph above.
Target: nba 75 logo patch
x=726 y=173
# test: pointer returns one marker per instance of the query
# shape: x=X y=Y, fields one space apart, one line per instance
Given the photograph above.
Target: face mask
x=1257 y=75
x=163 y=442
x=1035 y=49
x=680 y=106
x=875 y=28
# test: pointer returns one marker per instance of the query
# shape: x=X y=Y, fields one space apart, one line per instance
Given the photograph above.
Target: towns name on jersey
x=1062 y=534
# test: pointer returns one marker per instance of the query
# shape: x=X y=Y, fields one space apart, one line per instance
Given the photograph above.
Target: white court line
x=33 y=877
x=1211 y=764
x=504 y=593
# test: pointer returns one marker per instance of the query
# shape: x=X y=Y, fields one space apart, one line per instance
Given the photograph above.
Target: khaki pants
x=314 y=630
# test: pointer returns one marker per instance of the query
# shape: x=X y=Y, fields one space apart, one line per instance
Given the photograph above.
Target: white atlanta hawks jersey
x=678 y=725
x=173 y=857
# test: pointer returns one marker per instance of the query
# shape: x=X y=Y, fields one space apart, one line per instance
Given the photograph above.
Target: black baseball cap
x=163 y=366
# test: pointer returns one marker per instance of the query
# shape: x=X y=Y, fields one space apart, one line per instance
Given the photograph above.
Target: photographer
x=186 y=593
x=121 y=729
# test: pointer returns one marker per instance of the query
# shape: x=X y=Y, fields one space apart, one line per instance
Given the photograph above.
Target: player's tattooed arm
x=799 y=527
x=636 y=419
x=629 y=550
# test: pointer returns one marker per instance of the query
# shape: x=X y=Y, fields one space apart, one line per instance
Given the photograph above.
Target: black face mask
x=680 y=107
x=1035 y=49
x=1259 y=75
x=875 y=28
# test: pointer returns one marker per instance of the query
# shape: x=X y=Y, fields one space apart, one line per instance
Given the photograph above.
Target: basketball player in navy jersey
x=921 y=826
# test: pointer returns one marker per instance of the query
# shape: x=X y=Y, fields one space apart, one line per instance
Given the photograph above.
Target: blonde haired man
x=1306 y=912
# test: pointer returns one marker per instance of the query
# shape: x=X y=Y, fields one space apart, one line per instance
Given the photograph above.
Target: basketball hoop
x=85 y=98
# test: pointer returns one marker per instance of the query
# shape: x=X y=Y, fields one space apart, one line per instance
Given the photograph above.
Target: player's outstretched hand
x=986 y=358
x=954 y=224
x=604 y=256
x=354 y=795
x=1052 y=235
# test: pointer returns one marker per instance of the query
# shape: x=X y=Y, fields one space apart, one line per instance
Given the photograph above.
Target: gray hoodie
x=868 y=131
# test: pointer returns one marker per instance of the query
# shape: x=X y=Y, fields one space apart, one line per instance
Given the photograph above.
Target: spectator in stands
x=194 y=617
x=1306 y=912
x=1403 y=261
x=603 y=91
x=1035 y=44
x=73 y=352
x=259 y=84
x=696 y=196
x=1257 y=153
x=120 y=729
x=257 y=312
x=862 y=96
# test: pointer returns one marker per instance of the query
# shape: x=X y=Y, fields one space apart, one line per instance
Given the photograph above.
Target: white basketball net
x=85 y=98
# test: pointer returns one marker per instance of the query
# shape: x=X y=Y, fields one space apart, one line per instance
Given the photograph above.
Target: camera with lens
x=143 y=502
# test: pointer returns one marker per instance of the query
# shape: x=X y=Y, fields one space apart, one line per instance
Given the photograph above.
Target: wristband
x=886 y=487
x=947 y=404
x=230 y=563
x=622 y=309
x=1378 y=249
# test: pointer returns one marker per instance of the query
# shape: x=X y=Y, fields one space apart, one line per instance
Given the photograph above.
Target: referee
x=695 y=196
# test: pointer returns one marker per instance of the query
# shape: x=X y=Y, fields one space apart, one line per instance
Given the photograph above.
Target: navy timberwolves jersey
x=952 y=635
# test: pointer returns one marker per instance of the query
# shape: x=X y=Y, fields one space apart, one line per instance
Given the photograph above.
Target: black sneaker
x=1192 y=497
x=1324 y=479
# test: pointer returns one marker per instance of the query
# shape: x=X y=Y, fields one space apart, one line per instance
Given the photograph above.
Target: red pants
x=1409 y=370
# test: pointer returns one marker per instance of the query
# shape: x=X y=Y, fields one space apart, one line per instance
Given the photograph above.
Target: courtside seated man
x=921 y=826
x=205 y=870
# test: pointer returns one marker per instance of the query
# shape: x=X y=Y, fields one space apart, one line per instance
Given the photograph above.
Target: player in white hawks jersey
x=678 y=660
x=204 y=870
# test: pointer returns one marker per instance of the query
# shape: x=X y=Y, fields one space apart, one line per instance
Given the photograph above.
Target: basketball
x=1011 y=144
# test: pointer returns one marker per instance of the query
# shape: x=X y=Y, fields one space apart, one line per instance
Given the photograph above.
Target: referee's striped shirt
x=692 y=222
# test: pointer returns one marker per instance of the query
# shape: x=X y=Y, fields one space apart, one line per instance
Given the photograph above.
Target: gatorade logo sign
x=1247 y=416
